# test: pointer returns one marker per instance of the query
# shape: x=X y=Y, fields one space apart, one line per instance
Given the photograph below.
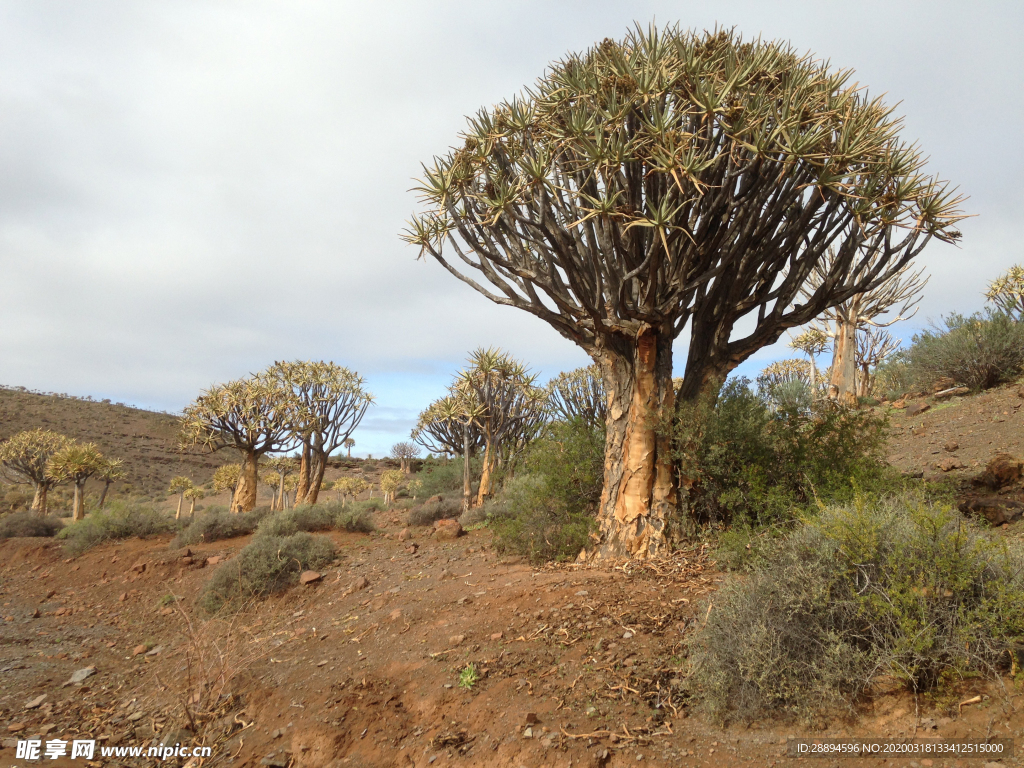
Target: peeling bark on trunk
x=316 y=480
x=303 y=487
x=244 y=499
x=467 y=484
x=39 y=499
x=78 y=503
x=844 y=365
x=486 y=474
x=640 y=495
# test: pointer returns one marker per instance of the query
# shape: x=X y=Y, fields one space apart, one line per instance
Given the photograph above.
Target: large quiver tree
x=26 y=457
x=670 y=182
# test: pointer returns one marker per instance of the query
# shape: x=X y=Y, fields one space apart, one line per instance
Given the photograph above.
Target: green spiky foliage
x=180 y=485
x=579 y=394
x=1007 y=292
x=677 y=181
x=25 y=458
x=112 y=471
x=390 y=481
x=76 y=462
x=442 y=426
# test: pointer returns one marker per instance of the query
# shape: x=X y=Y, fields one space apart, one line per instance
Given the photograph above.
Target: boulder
x=949 y=463
x=916 y=408
x=996 y=509
x=447 y=530
x=310 y=577
x=951 y=446
x=404 y=535
x=1002 y=470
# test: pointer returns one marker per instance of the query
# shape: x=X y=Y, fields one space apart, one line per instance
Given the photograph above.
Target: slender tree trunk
x=280 y=490
x=39 y=499
x=181 y=500
x=245 y=491
x=844 y=364
x=487 y=472
x=639 y=497
x=78 y=504
x=467 y=484
x=303 y=487
x=103 y=493
x=192 y=507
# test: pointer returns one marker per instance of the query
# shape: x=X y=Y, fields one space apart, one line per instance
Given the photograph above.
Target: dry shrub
x=28 y=524
x=432 y=511
x=266 y=565
x=121 y=520
x=900 y=591
x=217 y=523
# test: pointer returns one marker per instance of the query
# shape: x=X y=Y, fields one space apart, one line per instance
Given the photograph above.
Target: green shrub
x=442 y=476
x=120 y=520
x=754 y=465
x=28 y=524
x=305 y=517
x=979 y=351
x=266 y=565
x=354 y=520
x=868 y=594
x=546 y=512
x=432 y=511
x=217 y=523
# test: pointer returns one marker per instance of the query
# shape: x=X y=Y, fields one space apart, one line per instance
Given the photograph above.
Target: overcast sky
x=192 y=190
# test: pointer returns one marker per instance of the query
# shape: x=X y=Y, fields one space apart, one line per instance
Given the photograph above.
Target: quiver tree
x=111 y=471
x=225 y=478
x=251 y=415
x=677 y=181
x=193 y=494
x=76 y=462
x=327 y=404
x=441 y=431
x=349 y=487
x=25 y=458
x=349 y=444
x=812 y=342
x=405 y=452
x=390 y=481
x=278 y=466
x=579 y=395
x=844 y=321
x=874 y=347
x=1007 y=292
x=509 y=409
x=179 y=485
x=786 y=384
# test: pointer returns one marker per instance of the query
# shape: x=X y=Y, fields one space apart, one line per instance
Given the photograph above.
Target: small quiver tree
x=76 y=462
x=251 y=415
x=180 y=485
x=279 y=466
x=812 y=342
x=677 y=181
x=786 y=385
x=579 y=395
x=390 y=481
x=25 y=458
x=225 y=478
x=193 y=495
x=349 y=445
x=405 y=452
x=874 y=347
x=349 y=488
x=442 y=431
x=111 y=471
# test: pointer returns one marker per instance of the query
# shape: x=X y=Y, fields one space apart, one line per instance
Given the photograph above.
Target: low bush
x=547 y=511
x=28 y=524
x=751 y=464
x=868 y=595
x=979 y=351
x=432 y=511
x=120 y=520
x=217 y=523
x=442 y=476
x=266 y=565
x=318 y=517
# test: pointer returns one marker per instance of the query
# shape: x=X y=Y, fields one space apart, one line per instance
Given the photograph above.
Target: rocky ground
x=576 y=665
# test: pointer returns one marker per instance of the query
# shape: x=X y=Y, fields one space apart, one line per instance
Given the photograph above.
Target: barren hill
x=144 y=439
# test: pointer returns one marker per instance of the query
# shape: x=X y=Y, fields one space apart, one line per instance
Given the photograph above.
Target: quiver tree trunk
x=78 y=504
x=303 y=485
x=244 y=499
x=316 y=479
x=39 y=499
x=467 y=482
x=103 y=493
x=640 y=495
x=486 y=474
x=842 y=386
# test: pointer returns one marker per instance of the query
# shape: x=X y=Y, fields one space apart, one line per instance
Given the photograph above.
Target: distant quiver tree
x=677 y=181
x=579 y=395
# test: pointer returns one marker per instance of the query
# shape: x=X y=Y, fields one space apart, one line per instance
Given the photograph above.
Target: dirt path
x=362 y=668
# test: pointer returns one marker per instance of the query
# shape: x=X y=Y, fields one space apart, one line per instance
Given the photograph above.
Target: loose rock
x=310 y=577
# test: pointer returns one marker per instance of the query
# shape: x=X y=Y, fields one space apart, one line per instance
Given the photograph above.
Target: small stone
x=447 y=530
x=134 y=717
x=155 y=651
x=411 y=549
x=80 y=675
x=36 y=702
x=949 y=463
x=186 y=561
x=187 y=552
x=138 y=650
x=582 y=593
x=139 y=567
x=359 y=584
x=166 y=611
x=274 y=760
x=404 y=535
x=464 y=600
x=15 y=727
x=36 y=614
x=951 y=446
x=497 y=636
x=455 y=640
x=123 y=597
x=395 y=615
x=627 y=635
x=528 y=733
x=531 y=718
x=310 y=577
x=917 y=407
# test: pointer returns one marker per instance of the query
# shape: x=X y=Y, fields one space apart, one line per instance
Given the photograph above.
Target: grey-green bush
x=120 y=520
x=217 y=523
x=898 y=591
x=28 y=524
x=318 y=517
x=266 y=565
x=432 y=511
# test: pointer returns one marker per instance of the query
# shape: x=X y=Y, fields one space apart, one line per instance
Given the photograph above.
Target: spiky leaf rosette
x=579 y=394
x=679 y=178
